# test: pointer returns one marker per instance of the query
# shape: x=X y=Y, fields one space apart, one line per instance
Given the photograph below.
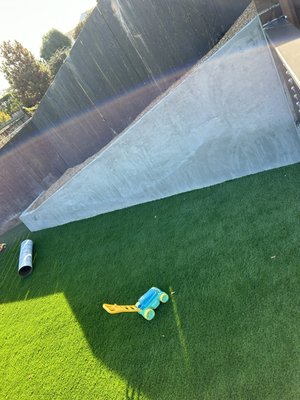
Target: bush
x=9 y=104
x=4 y=117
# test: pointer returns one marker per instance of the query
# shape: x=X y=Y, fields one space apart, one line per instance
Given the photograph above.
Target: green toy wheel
x=164 y=297
x=149 y=314
x=155 y=304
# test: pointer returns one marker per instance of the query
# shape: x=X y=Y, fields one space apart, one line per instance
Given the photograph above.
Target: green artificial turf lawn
x=231 y=330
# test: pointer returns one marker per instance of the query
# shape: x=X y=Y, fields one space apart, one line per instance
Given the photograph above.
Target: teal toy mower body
x=150 y=301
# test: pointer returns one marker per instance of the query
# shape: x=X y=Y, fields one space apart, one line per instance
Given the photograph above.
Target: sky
x=27 y=21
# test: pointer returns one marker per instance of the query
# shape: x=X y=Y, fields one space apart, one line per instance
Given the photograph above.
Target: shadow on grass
x=229 y=329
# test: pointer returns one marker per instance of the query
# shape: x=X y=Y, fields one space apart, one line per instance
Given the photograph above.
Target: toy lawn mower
x=144 y=306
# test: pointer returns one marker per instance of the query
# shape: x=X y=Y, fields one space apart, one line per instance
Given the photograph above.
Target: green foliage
x=80 y=25
x=29 y=78
x=4 y=117
x=57 y=60
x=30 y=110
x=78 y=29
x=9 y=104
x=229 y=332
x=53 y=41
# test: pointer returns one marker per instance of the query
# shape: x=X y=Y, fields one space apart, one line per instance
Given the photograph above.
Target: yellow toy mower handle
x=115 y=309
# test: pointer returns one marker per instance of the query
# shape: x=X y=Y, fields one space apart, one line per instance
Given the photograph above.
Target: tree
x=53 y=41
x=57 y=60
x=3 y=117
x=29 y=78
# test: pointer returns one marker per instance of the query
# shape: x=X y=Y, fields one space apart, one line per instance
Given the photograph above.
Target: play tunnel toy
x=144 y=306
x=25 y=259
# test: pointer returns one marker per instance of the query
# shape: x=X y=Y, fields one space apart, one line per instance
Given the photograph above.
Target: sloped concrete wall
x=128 y=53
x=228 y=118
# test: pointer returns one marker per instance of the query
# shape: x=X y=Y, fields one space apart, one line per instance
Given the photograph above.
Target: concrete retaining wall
x=228 y=118
x=128 y=53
